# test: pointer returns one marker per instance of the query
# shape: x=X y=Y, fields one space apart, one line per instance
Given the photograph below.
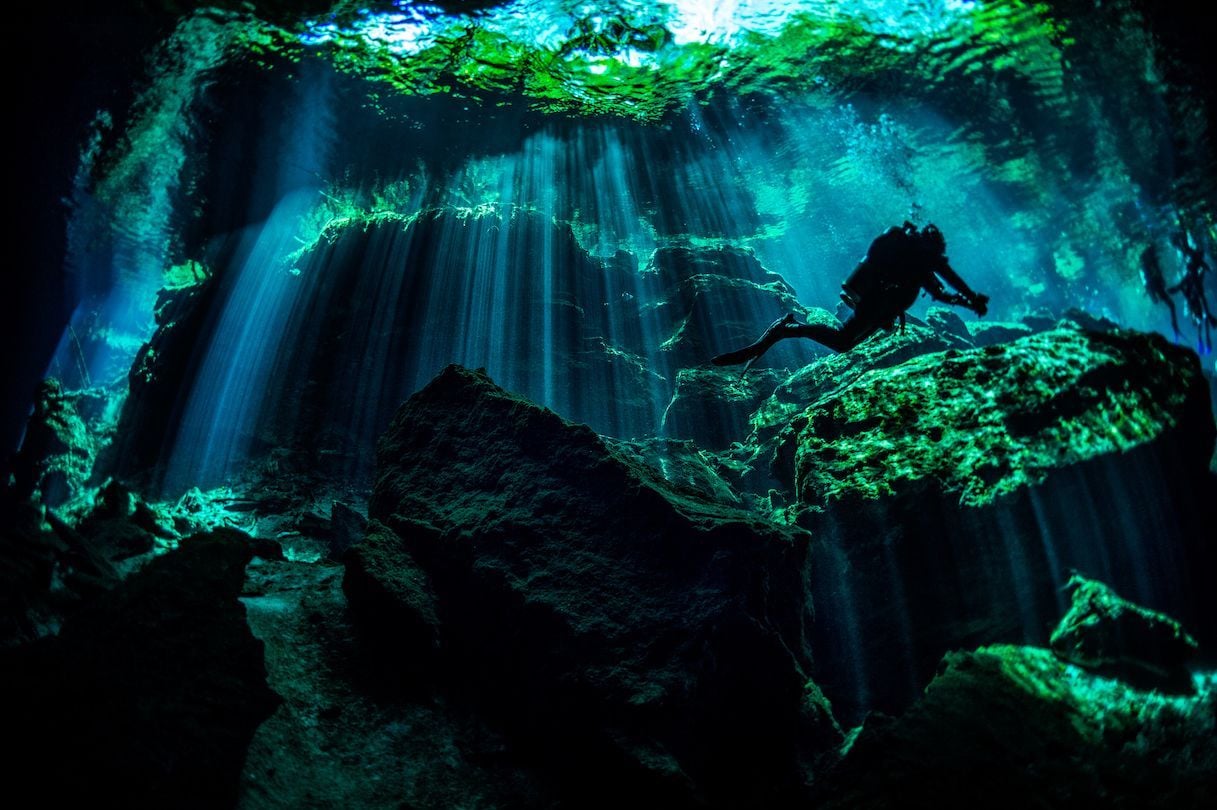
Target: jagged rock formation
x=1016 y=727
x=810 y=382
x=160 y=380
x=151 y=696
x=952 y=482
x=711 y=405
x=57 y=453
x=983 y=424
x=567 y=619
x=1105 y=633
x=630 y=631
x=1044 y=731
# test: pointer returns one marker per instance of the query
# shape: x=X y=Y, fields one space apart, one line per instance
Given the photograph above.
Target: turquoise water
x=543 y=151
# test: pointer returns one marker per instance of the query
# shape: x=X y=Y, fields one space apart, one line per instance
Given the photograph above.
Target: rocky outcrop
x=1016 y=727
x=1108 y=634
x=758 y=457
x=47 y=569
x=982 y=424
x=628 y=630
x=57 y=452
x=160 y=379
x=991 y=333
x=344 y=736
x=151 y=696
x=946 y=491
x=711 y=405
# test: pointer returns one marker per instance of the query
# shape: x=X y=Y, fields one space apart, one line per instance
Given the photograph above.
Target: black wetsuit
x=1155 y=283
x=1194 y=302
x=899 y=264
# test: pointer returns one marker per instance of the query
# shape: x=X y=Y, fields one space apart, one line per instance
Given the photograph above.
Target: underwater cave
x=566 y=404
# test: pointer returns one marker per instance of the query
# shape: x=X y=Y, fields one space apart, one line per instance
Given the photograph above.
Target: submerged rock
x=160 y=378
x=991 y=333
x=393 y=598
x=626 y=629
x=711 y=405
x=347 y=527
x=341 y=738
x=984 y=423
x=151 y=696
x=57 y=452
x=952 y=493
x=1016 y=727
x=948 y=322
x=1105 y=633
x=759 y=456
x=47 y=570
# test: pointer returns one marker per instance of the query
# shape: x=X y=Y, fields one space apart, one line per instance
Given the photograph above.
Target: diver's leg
x=1174 y=318
x=751 y=351
x=850 y=334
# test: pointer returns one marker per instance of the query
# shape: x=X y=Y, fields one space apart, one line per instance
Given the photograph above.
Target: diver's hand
x=979 y=304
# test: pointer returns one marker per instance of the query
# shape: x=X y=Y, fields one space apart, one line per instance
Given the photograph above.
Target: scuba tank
x=874 y=273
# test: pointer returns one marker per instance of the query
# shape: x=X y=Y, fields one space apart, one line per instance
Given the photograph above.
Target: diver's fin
x=744 y=355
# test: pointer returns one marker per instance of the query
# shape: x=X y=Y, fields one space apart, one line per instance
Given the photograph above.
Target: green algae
x=1049 y=733
x=987 y=422
x=1111 y=635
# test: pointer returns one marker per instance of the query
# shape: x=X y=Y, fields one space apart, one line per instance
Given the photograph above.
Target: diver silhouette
x=1195 y=305
x=1155 y=283
x=899 y=264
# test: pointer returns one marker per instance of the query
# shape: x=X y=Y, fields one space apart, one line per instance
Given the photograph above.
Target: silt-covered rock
x=629 y=630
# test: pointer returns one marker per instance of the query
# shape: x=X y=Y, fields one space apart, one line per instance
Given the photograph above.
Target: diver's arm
x=944 y=269
x=966 y=297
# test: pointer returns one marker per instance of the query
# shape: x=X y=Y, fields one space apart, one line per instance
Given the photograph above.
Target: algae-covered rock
x=1016 y=727
x=57 y=452
x=951 y=495
x=991 y=333
x=1103 y=632
x=633 y=632
x=150 y=697
x=983 y=423
x=759 y=454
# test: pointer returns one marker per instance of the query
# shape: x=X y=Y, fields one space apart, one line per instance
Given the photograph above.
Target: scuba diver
x=900 y=263
x=1155 y=283
x=1192 y=286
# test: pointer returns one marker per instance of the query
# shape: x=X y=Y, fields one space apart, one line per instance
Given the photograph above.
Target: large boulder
x=953 y=493
x=758 y=455
x=1011 y=726
x=148 y=698
x=633 y=632
x=1103 y=632
x=985 y=423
